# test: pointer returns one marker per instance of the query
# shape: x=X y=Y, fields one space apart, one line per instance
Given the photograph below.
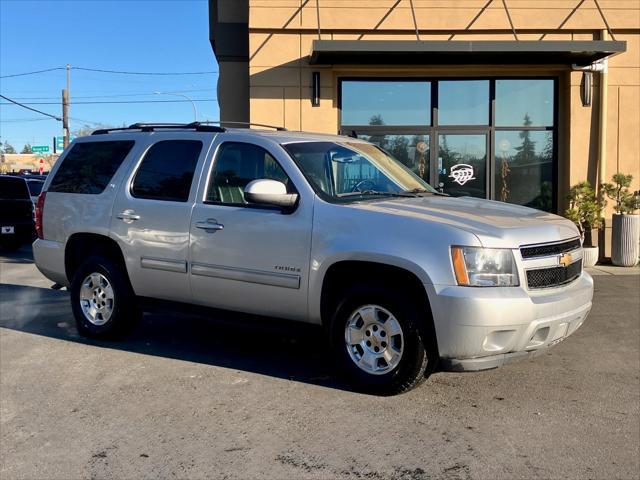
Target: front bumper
x=481 y=328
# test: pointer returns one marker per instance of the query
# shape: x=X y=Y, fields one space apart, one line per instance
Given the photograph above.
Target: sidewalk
x=613 y=270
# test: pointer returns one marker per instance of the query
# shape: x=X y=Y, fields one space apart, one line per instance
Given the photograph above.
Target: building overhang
x=418 y=52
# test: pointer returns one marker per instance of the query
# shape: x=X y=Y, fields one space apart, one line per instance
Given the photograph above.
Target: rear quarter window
x=89 y=167
x=12 y=188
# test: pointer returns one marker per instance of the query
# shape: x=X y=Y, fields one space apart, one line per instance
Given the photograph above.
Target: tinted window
x=386 y=102
x=236 y=165
x=35 y=187
x=463 y=102
x=12 y=188
x=167 y=171
x=88 y=167
x=524 y=102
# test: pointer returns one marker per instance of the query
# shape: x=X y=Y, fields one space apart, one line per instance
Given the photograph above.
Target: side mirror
x=269 y=192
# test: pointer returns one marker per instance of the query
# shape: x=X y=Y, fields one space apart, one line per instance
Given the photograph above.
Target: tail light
x=39 y=210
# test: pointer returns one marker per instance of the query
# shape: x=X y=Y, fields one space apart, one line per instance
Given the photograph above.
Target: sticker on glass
x=462 y=173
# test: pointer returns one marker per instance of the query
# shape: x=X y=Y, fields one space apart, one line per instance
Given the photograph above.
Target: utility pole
x=65 y=108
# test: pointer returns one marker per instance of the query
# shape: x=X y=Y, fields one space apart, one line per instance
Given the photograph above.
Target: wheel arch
x=80 y=245
x=340 y=275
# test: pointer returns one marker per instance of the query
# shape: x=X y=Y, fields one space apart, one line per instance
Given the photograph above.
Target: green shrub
x=618 y=191
x=585 y=207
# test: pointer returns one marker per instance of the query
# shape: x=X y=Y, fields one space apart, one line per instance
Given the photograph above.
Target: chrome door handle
x=128 y=216
x=210 y=226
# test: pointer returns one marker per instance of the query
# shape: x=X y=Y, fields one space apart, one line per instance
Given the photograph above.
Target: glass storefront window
x=505 y=153
x=462 y=164
x=412 y=150
x=463 y=102
x=524 y=102
x=524 y=168
x=386 y=102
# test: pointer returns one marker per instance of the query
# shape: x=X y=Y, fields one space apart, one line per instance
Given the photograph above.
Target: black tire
x=418 y=359
x=125 y=312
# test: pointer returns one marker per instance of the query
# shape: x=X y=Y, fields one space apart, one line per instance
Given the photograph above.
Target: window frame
x=210 y=176
x=435 y=128
x=142 y=158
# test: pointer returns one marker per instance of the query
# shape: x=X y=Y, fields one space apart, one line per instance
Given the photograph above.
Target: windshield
x=353 y=170
x=35 y=187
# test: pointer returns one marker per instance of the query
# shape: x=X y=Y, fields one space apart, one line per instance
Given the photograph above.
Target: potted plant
x=585 y=210
x=625 y=235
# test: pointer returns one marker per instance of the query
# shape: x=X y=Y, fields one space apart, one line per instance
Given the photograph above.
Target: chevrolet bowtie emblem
x=565 y=259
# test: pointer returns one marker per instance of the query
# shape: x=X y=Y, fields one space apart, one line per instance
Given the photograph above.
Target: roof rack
x=150 y=127
x=247 y=124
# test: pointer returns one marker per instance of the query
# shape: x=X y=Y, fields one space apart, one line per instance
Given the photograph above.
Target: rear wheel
x=102 y=300
x=377 y=341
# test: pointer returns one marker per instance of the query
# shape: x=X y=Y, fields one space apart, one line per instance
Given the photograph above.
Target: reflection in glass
x=462 y=163
x=386 y=102
x=412 y=150
x=524 y=168
x=517 y=99
x=463 y=102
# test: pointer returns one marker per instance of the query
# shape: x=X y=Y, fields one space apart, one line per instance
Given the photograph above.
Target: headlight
x=484 y=267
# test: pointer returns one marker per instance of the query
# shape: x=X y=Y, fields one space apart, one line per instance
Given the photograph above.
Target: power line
x=103 y=70
x=32 y=73
x=24 y=120
x=113 y=102
x=119 y=95
x=120 y=72
x=29 y=108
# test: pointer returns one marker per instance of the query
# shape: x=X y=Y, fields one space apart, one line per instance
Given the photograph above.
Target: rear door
x=152 y=213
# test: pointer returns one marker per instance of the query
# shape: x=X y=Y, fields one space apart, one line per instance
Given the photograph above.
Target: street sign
x=60 y=142
x=40 y=149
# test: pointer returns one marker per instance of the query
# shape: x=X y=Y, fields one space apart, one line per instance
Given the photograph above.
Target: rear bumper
x=481 y=328
x=49 y=258
x=23 y=231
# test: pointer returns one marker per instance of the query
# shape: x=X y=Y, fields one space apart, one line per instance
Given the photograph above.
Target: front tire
x=102 y=299
x=377 y=340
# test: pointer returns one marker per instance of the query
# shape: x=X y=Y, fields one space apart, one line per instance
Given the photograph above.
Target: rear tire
x=102 y=299
x=378 y=342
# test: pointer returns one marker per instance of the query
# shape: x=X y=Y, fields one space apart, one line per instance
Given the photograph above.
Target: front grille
x=554 y=276
x=549 y=249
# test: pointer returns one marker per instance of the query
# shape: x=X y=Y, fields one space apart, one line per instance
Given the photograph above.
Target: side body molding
x=246 y=275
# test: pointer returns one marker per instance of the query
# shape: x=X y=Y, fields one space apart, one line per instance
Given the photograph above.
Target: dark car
x=16 y=213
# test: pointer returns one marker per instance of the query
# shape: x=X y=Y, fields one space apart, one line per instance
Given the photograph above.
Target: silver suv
x=322 y=229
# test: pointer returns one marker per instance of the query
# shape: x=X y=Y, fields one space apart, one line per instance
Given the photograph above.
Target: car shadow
x=278 y=348
x=23 y=255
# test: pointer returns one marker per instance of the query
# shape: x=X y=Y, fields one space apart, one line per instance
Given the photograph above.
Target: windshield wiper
x=424 y=190
x=378 y=193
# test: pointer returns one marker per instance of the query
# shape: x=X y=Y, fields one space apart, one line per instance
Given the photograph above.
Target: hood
x=496 y=224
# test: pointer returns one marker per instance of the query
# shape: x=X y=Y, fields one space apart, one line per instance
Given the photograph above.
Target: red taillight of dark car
x=39 y=210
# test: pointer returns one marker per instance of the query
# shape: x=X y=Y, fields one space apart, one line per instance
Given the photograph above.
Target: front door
x=461 y=166
x=247 y=257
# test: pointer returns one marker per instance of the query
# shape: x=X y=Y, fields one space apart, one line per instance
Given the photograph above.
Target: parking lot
x=229 y=397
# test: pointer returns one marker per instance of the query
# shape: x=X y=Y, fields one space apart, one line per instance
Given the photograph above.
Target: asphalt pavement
x=228 y=396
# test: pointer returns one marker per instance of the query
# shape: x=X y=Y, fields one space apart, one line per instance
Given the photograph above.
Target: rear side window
x=166 y=172
x=12 y=188
x=89 y=167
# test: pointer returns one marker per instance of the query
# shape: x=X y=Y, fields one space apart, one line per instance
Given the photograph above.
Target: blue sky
x=124 y=35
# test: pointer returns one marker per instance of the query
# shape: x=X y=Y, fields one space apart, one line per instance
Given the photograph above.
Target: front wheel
x=102 y=300
x=377 y=341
